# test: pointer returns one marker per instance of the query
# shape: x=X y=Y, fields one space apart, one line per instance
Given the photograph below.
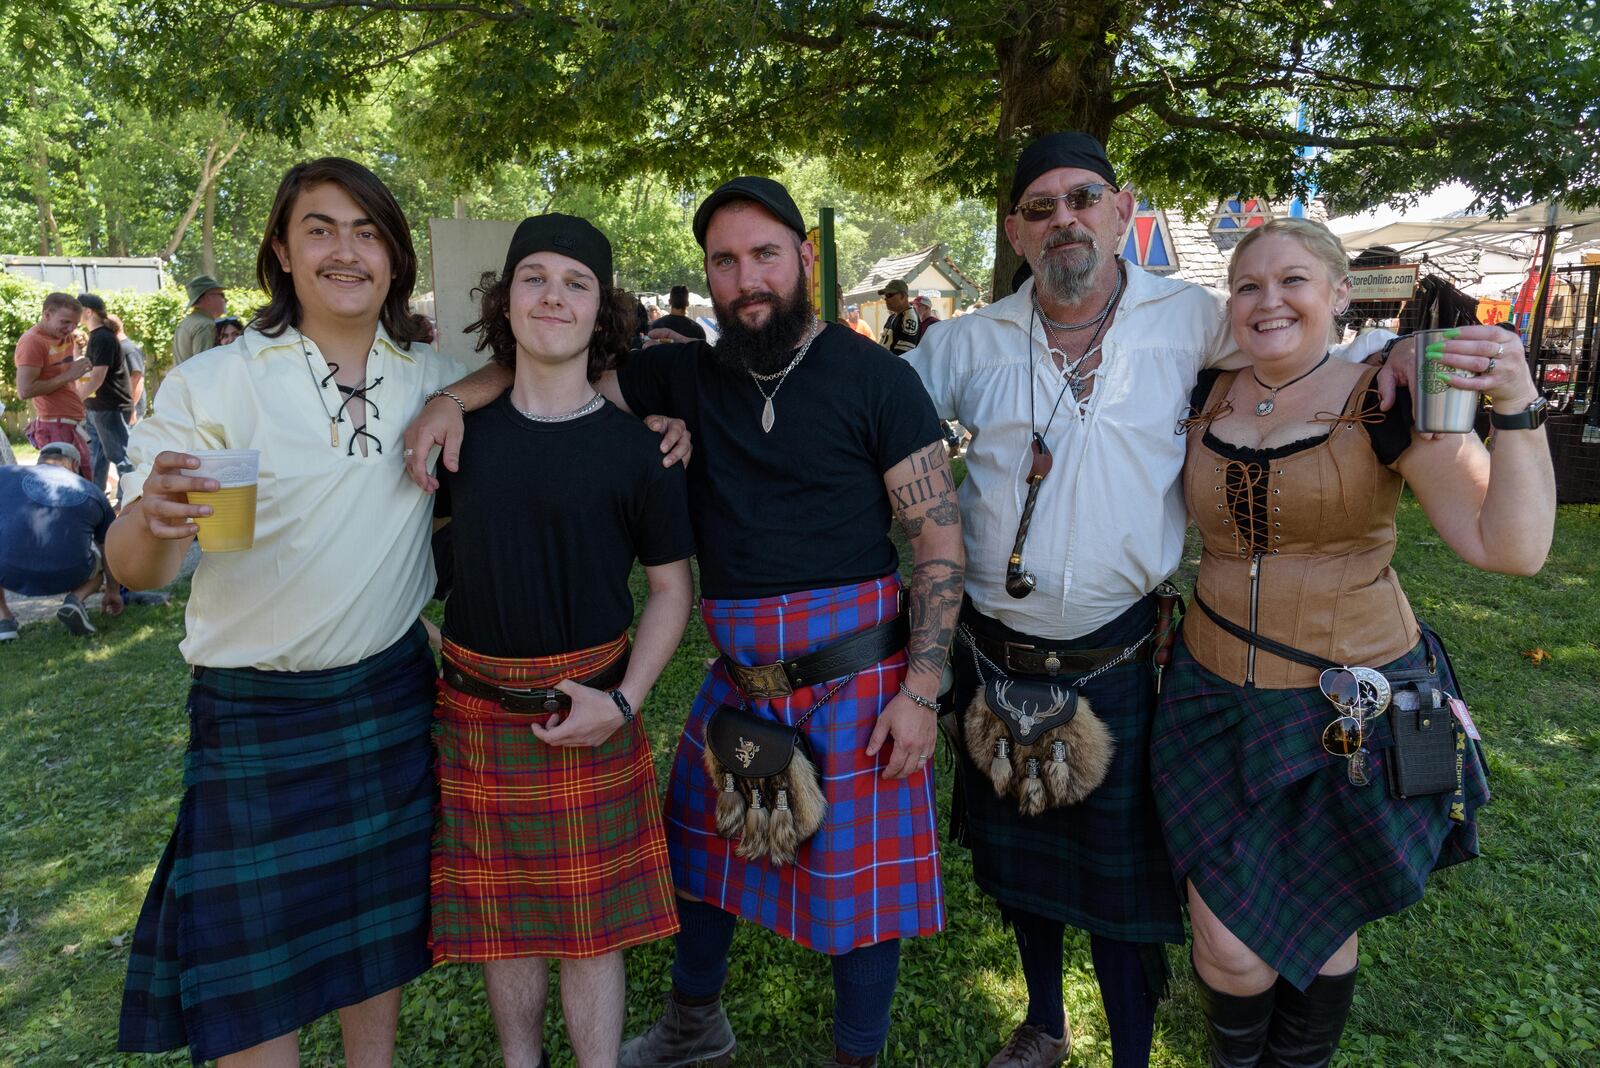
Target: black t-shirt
x=680 y=323
x=803 y=507
x=546 y=522
x=1389 y=436
x=116 y=392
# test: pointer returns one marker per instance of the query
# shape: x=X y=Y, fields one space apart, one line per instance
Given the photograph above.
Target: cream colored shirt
x=1109 y=521
x=341 y=564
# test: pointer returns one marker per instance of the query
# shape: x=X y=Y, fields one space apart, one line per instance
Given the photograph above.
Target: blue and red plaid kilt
x=541 y=850
x=1289 y=855
x=1099 y=865
x=872 y=872
x=296 y=879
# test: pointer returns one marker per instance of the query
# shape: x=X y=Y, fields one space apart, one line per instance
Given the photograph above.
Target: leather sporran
x=1038 y=741
x=769 y=788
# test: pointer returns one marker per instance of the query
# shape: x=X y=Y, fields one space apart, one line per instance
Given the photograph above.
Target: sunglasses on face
x=1038 y=209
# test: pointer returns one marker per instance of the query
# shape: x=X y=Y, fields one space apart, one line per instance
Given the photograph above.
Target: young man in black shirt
x=809 y=438
x=110 y=392
x=677 y=318
x=549 y=840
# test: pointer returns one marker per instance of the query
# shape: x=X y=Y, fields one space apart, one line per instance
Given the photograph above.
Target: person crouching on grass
x=549 y=842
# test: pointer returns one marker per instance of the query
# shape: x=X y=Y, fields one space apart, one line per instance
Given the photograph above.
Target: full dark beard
x=769 y=348
x=1062 y=281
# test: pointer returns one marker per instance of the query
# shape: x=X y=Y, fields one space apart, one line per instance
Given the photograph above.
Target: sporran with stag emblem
x=1037 y=740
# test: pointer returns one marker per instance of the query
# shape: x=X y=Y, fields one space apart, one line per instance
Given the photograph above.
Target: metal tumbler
x=1439 y=407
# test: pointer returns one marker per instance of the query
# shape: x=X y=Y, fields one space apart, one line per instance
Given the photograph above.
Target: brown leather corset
x=1296 y=548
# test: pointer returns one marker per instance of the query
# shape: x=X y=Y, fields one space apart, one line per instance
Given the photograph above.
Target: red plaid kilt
x=871 y=873
x=539 y=850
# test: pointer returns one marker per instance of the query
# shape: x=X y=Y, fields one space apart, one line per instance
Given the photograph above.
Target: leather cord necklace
x=1019 y=581
x=1264 y=406
x=336 y=416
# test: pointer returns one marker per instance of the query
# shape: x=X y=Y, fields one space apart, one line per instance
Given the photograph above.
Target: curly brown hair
x=613 y=326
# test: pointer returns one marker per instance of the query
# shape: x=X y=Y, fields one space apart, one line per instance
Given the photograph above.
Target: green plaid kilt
x=1099 y=865
x=296 y=878
x=1290 y=856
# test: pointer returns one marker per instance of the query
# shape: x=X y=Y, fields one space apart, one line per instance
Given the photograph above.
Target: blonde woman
x=1274 y=768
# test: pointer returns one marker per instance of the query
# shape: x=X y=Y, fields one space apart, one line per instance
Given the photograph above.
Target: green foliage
x=1494 y=967
x=21 y=303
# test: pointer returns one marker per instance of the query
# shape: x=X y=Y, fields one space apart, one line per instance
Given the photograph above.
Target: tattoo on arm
x=921 y=487
x=935 y=602
x=923 y=492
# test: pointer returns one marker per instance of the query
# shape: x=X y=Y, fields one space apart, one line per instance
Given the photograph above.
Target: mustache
x=356 y=271
x=750 y=301
x=1073 y=234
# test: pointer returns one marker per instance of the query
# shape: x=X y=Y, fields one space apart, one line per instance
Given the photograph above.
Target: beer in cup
x=1438 y=406
x=231 y=526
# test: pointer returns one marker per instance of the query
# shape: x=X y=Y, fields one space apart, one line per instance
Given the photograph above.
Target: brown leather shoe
x=1031 y=1047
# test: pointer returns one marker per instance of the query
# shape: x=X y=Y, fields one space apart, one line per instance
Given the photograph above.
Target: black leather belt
x=850 y=653
x=532 y=701
x=1019 y=658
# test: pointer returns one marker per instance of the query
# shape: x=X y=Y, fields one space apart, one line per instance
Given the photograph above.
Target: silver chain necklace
x=1087 y=323
x=585 y=408
x=768 y=415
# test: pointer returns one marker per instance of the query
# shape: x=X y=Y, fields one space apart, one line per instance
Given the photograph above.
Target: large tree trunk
x=1055 y=74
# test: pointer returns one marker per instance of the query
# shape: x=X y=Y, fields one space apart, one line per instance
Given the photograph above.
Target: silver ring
x=921 y=760
x=1490 y=369
x=1499 y=350
x=408 y=453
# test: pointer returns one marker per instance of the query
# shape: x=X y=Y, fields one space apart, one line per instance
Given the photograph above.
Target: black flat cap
x=565 y=234
x=1067 y=149
x=764 y=191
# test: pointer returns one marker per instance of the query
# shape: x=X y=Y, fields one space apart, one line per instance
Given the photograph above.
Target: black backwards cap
x=1068 y=149
x=566 y=234
x=764 y=191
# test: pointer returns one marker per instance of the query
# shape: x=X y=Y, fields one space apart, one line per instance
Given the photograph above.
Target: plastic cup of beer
x=231 y=526
x=1439 y=407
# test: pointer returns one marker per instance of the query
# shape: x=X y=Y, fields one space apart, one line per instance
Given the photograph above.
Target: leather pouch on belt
x=769 y=786
x=1038 y=741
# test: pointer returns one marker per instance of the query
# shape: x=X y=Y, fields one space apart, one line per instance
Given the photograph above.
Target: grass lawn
x=1499 y=965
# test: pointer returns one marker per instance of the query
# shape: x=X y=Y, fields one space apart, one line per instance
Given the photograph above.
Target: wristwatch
x=1530 y=418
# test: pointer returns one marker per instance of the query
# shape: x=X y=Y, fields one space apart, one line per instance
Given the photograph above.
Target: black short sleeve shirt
x=547 y=520
x=802 y=507
x=116 y=392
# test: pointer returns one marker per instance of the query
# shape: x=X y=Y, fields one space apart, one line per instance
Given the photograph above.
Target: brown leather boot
x=1031 y=1047
x=685 y=1035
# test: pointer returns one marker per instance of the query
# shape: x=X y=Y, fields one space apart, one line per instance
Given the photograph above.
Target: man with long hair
x=809 y=439
x=296 y=880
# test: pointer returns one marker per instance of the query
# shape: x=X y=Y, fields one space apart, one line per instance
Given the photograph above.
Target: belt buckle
x=1051 y=661
x=549 y=700
x=766 y=681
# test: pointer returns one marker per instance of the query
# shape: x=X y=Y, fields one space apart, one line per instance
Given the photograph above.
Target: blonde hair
x=1316 y=238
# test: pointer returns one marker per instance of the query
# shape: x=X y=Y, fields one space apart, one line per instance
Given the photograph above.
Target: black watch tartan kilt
x=1099 y=865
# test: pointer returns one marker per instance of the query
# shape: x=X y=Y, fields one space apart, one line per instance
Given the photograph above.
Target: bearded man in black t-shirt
x=809 y=439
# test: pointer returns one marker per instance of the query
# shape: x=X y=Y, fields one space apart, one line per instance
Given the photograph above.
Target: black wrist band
x=622 y=705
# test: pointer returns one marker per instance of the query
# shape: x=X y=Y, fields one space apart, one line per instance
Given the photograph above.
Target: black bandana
x=1068 y=149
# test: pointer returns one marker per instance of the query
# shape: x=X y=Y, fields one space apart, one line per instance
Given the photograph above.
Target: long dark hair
x=365 y=188
x=608 y=349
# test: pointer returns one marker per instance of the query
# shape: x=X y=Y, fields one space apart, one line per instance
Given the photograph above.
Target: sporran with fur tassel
x=1038 y=741
x=769 y=786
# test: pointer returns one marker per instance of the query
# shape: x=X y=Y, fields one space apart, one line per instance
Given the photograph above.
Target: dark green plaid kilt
x=296 y=879
x=1099 y=865
x=1289 y=855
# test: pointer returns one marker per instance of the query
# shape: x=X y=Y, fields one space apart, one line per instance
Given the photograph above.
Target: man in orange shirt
x=852 y=319
x=48 y=374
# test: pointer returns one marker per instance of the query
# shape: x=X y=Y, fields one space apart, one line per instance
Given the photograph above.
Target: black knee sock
x=1119 y=967
x=863 y=989
x=700 y=953
x=1039 y=946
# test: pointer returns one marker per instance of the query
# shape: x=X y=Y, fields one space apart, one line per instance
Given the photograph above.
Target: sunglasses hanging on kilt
x=1429 y=740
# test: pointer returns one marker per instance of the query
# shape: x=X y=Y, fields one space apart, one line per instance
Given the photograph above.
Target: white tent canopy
x=1470 y=231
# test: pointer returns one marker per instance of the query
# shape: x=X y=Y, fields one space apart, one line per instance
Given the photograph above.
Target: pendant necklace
x=336 y=416
x=1264 y=406
x=1077 y=381
x=768 y=415
x=583 y=409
